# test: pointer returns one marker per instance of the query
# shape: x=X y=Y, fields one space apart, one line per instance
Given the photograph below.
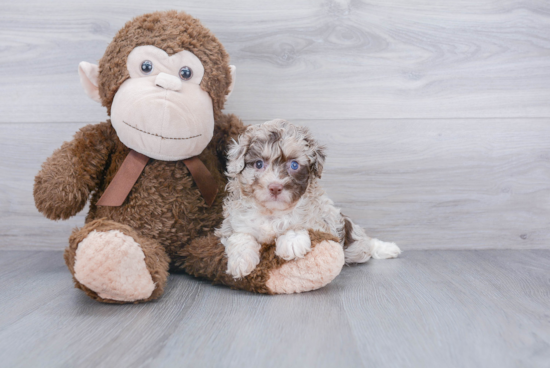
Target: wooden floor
x=484 y=308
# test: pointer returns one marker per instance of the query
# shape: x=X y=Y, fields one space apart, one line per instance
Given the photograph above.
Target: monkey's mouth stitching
x=160 y=136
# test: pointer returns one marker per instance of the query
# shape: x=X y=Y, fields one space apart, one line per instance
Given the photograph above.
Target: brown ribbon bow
x=131 y=169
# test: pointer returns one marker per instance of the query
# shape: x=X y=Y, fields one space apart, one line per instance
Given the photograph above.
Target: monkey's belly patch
x=160 y=136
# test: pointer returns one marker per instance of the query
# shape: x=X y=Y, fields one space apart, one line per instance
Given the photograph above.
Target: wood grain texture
x=452 y=184
x=24 y=148
x=303 y=59
x=346 y=69
x=425 y=184
x=426 y=309
x=437 y=123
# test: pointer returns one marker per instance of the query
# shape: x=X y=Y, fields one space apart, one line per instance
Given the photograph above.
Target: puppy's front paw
x=293 y=244
x=243 y=254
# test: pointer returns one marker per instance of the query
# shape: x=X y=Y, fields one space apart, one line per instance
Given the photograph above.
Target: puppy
x=274 y=194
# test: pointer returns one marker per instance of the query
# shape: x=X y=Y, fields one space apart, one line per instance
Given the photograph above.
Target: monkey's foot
x=112 y=264
x=315 y=270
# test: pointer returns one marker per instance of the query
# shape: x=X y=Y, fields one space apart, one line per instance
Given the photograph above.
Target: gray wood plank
x=425 y=309
x=303 y=59
x=451 y=184
x=425 y=184
x=25 y=147
x=30 y=280
x=453 y=309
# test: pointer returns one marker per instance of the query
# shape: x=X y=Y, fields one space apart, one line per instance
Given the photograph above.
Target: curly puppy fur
x=164 y=212
x=274 y=195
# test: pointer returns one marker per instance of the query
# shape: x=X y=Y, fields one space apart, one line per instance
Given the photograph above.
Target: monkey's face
x=163 y=98
x=161 y=111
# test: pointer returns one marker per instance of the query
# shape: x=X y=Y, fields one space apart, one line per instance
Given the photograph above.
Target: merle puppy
x=274 y=194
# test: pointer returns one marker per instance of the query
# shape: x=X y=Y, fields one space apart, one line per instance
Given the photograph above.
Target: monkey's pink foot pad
x=113 y=265
x=315 y=270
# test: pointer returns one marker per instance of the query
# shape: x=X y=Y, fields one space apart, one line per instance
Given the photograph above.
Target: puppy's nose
x=168 y=81
x=275 y=188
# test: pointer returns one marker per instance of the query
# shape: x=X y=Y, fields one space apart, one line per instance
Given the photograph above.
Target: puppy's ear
x=235 y=156
x=316 y=153
x=319 y=160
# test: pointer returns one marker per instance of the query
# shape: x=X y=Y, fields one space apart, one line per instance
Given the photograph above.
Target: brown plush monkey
x=152 y=171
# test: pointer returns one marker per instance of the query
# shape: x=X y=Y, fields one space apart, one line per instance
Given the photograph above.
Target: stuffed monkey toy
x=154 y=172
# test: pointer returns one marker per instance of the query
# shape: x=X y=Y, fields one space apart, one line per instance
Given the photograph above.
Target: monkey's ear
x=233 y=77
x=89 y=74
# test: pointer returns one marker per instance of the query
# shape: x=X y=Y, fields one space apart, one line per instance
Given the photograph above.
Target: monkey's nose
x=168 y=81
x=275 y=188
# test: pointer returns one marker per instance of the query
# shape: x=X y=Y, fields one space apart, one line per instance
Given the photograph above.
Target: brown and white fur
x=282 y=199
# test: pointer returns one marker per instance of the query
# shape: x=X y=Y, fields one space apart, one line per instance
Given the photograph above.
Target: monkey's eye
x=146 y=67
x=294 y=165
x=186 y=73
x=259 y=164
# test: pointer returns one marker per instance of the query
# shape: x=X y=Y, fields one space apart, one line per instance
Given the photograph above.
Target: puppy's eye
x=186 y=73
x=294 y=165
x=147 y=67
x=259 y=164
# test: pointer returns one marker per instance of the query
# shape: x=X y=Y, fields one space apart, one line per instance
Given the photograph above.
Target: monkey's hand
x=63 y=185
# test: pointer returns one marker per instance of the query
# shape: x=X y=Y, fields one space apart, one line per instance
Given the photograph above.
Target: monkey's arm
x=64 y=183
x=227 y=128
